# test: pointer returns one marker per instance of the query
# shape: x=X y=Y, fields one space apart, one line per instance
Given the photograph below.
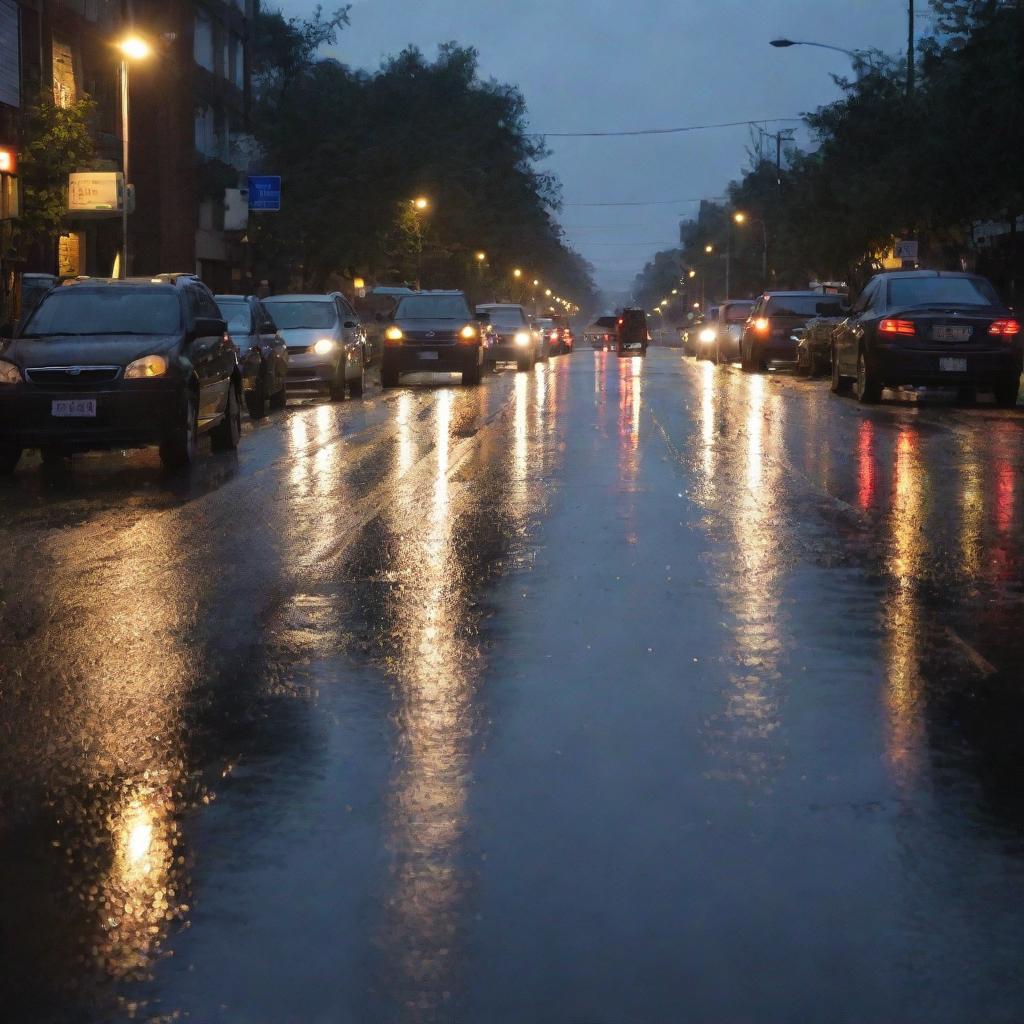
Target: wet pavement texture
x=620 y=691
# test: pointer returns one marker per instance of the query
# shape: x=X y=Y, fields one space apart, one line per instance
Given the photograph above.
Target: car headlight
x=522 y=338
x=146 y=367
x=9 y=373
x=468 y=333
x=325 y=346
x=707 y=335
x=394 y=334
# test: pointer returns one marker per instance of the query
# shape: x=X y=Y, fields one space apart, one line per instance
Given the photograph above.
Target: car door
x=274 y=348
x=351 y=332
x=217 y=357
x=203 y=353
x=849 y=334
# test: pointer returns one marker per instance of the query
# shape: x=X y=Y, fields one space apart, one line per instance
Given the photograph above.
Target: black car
x=925 y=327
x=769 y=335
x=432 y=332
x=120 y=364
x=632 y=334
x=814 y=345
x=262 y=352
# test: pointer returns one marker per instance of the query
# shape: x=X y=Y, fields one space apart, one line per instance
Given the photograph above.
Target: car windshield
x=955 y=291
x=736 y=313
x=108 y=310
x=312 y=314
x=236 y=313
x=507 y=316
x=433 y=307
x=545 y=324
x=799 y=305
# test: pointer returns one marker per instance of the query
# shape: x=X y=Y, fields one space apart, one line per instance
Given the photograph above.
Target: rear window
x=738 y=313
x=957 y=291
x=312 y=315
x=128 y=309
x=800 y=305
x=506 y=316
x=433 y=307
x=236 y=313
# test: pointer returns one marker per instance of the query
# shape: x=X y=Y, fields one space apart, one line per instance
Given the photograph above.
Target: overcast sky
x=597 y=65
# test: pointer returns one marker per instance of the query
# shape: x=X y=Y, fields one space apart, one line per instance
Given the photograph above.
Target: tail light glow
x=905 y=328
x=1004 y=328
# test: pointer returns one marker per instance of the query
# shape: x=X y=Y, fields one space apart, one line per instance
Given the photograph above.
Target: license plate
x=74 y=407
x=428 y=355
x=953 y=365
x=941 y=332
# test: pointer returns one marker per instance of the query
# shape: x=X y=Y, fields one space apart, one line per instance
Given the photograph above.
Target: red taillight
x=902 y=327
x=621 y=321
x=1004 y=328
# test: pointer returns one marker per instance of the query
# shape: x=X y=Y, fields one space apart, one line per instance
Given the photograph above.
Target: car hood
x=304 y=337
x=439 y=326
x=86 y=350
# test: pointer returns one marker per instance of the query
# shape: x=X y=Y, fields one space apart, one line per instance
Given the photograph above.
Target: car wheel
x=226 y=435
x=279 y=399
x=178 y=449
x=840 y=384
x=543 y=356
x=336 y=388
x=1007 y=391
x=523 y=364
x=471 y=375
x=355 y=387
x=10 y=456
x=256 y=400
x=389 y=376
x=868 y=388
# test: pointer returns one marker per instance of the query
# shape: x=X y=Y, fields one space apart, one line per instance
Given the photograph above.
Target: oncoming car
x=105 y=364
x=512 y=338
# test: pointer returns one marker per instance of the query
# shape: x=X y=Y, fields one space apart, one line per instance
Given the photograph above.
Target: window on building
x=65 y=89
x=202 y=41
x=238 y=61
x=10 y=71
x=206 y=131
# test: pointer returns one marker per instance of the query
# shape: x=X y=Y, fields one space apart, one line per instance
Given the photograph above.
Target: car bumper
x=901 y=366
x=312 y=372
x=508 y=352
x=775 y=350
x=427 y=359
x=129 y=417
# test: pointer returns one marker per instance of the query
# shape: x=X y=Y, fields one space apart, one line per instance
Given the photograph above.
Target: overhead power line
x=659 y=202
x=665 y=131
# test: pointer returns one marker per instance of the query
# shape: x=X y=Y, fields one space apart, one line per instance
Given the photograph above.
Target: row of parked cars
x=111 y=364
x=918 y=328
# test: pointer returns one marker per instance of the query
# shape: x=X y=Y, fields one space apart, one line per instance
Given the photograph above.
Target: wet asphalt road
x=621 y=692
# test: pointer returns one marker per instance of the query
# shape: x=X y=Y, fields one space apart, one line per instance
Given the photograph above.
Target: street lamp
x=857 y=57
x=421 y=203
x=709 y=249
x=741 y=218
x=132 y=48
x=693 y=274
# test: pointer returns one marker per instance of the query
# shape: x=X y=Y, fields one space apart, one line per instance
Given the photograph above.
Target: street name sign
x=265 y=193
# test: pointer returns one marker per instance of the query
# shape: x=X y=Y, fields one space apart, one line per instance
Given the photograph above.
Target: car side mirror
x=208 y=327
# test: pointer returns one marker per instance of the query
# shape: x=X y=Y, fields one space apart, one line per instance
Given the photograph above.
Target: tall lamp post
x=741 y=218
x=857 y=57
x=131 y=48
x=420 y=205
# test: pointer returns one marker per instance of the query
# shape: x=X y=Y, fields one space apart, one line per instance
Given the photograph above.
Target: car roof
x=310 y=297
x=123 y=282
x=499 y=305
x=925 y=273
x=437 y=291
x=802 y=291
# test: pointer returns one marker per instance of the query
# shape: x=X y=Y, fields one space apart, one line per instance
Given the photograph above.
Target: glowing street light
x=740 y=217
x=547 y=292
x=481 y=256
x=517 y=273
x=421 y=203
x=693 y=274
x=709 y=249
x=132 y=48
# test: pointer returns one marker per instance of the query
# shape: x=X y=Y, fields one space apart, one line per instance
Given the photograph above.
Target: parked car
x=926 y=327
x=768 y=333
x=513 y=340
x=326 y=343
x=435 y=332
x=632 y=334
x=732 y=315
x=120 y=364
x=601 y=333
x=262 y=352
x=814 y=345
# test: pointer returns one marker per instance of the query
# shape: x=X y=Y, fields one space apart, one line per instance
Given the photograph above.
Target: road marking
x=978 y=660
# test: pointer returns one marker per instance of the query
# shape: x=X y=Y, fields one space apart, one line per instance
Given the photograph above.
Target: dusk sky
x=598 y=65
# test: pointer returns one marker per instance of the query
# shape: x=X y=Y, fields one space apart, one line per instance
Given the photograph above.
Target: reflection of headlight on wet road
x=707 y=335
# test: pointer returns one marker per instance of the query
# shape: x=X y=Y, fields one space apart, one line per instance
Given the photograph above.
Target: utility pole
x=910 y=48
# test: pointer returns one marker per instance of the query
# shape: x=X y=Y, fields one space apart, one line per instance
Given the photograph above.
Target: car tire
x=279 y=399
x=256 y=402
x=1006 y=391
x=336 y=389
x=389 y=375
x=840 y=384
x=355 y=387
x=523 y=364
x=225 y=436
x=543 y=356
x=10 y=456
x=471 y=375
x=178 y=449
x=868 y=387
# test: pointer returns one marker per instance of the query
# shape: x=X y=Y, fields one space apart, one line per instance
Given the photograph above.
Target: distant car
x=514 y=341
x=601 y=333
x=924 y=328
x=120 y=364
x=691 y=333
x=768 y=333
x=262 y=352
x=707 y=334
x=566 y=341
x=433 y=332
x=554 y=328
x=814 y=346
x=632 y=334
x=326 y=343
x=732 y=315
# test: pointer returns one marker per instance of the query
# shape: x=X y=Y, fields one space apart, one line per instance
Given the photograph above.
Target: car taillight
x=902 y=327
x=761 y=325
x=1004 y=328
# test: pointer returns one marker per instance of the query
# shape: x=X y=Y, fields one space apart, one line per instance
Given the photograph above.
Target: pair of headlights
x=138 y=369
x=396 y=334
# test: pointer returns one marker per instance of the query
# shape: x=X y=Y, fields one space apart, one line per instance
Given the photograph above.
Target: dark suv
x=432 y=332
x=120 y=364
x=769 y=336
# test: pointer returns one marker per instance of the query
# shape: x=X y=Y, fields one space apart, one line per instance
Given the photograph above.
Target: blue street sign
x=265 y=193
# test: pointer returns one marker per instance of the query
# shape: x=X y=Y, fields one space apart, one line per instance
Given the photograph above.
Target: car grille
x=72 y=376
x=297 y=350
x=430 y=337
